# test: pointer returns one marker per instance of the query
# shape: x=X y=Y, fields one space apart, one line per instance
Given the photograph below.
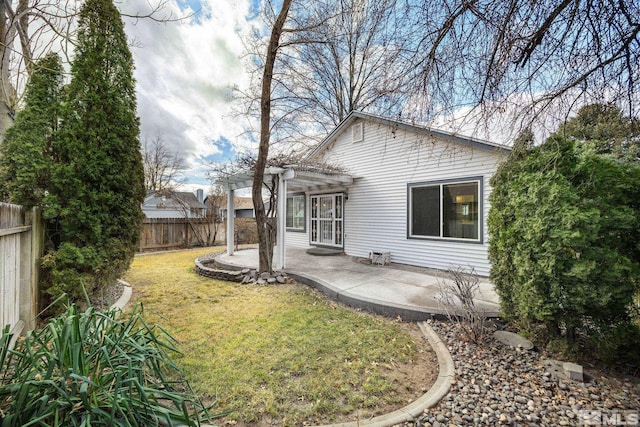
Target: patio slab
x=390 y=290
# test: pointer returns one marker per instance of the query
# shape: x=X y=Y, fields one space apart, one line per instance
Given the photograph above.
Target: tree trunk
x=7 y=34
x=265 y=248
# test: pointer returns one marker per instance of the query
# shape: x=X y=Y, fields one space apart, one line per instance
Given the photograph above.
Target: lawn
x=282 y=354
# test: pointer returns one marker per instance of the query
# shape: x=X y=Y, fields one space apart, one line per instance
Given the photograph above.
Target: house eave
x=423 y=130
x=298 y=179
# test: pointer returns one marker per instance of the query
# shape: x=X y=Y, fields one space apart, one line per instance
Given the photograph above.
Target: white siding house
x=380 y=185
x=418 y=193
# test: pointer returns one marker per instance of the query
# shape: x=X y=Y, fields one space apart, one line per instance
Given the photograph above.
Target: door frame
x=334 y=220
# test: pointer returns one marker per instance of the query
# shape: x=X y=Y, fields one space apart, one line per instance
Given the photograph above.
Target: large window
x=446 y=210
x=295 y=213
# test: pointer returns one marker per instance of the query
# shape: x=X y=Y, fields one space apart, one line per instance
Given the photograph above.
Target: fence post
x=31 y=252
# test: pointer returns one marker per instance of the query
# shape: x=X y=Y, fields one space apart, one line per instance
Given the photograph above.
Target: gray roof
x=176 y=199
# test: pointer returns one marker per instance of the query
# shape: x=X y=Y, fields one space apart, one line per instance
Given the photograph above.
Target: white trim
x=334 y=220
x=425 y=130
x=280 y=261
x=304 y=213
x=440 y=185
x=230 y=220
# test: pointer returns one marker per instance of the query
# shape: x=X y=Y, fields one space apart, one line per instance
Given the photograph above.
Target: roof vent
x=357 y=132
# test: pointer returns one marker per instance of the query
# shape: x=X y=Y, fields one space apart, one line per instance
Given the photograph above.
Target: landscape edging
x=124 y=297
x=438 y=390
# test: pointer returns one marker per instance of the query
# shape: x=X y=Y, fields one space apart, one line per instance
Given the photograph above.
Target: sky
x=185 y=72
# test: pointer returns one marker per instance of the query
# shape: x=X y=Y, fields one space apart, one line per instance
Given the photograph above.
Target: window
x=446 y=210
x=295 y=213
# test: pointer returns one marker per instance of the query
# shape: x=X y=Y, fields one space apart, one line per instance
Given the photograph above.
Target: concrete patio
x=392 y=290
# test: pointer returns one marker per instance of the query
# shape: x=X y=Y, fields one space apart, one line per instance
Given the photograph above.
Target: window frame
x=441 y=183
x=304 y=213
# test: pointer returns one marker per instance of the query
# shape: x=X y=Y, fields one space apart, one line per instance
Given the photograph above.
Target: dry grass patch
x=282 y=354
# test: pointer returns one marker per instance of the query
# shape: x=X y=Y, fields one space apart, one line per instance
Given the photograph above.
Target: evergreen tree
x=606 y=129
x=564 y=225
x=98 y=180
x=25 y=153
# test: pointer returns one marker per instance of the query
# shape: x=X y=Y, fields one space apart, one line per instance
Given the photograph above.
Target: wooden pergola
x=291 y=179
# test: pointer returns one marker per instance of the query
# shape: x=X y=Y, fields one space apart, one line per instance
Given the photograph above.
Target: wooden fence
x=21 y=245
x=174 y=233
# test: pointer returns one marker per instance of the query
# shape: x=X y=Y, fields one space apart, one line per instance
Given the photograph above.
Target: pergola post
x=231 y=213
x=281 y=218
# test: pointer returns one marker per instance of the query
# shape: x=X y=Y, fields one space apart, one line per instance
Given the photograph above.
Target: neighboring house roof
x=436 y=133
x=171 y=205
x=243 y=203
x=239 y=203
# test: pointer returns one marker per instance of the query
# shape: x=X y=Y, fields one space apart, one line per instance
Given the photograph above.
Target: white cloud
x=185 y=71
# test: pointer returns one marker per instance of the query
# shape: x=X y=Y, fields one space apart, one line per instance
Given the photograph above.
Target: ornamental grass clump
x=92 y=369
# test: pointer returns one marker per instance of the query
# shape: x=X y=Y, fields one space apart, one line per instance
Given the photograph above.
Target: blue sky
x=227 y=151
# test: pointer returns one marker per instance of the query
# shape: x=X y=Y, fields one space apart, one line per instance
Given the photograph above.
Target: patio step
x=324 y=251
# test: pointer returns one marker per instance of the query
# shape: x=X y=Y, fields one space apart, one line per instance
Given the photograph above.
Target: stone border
x=215 y=273
x=229 y=273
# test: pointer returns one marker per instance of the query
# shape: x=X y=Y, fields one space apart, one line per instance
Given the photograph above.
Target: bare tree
x=346 y=55
x=204 y=223
x=214 y=202
x=527 y=57
x=246 y=163
x=338 y=56
x=163 y=168
x=30 y=29
x=265 y=249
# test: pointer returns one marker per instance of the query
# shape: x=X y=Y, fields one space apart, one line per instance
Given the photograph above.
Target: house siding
x=384 y=163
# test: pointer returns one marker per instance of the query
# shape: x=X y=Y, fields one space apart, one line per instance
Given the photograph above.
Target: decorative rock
x=271 y=280
x=280 y=279
x=513 y=340
x=573 y=371
x=519 y=388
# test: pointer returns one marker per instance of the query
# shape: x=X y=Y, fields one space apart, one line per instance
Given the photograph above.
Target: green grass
x=280 y=352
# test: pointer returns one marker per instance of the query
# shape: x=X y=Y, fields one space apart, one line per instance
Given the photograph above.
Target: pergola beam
x=289 y=177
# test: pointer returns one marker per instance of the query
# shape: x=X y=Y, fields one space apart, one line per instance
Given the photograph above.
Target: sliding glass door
x=326 y=219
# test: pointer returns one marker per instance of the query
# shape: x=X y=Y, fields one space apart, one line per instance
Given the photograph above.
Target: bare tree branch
x=162 y=168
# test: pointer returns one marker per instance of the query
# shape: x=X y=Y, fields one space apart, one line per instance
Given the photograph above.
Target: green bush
x=91 y=369
x=565 y=227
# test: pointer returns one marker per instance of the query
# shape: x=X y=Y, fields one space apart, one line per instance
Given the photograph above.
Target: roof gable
x=424 y=130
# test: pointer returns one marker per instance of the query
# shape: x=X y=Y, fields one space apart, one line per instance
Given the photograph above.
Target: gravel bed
x=499 y=385
x=107 y=296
